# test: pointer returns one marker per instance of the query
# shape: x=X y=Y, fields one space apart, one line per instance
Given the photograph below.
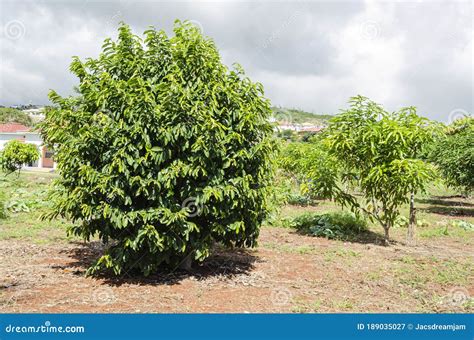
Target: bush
x=339 y=225
x=403 y=222
x=301 y=200
x=3 y=209
x=463 y=225
x=16 y=154
x=165 y=152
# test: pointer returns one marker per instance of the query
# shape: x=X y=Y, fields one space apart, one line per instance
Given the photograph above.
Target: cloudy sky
x=312 y=55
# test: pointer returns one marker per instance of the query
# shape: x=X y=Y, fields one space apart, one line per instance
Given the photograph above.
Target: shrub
x=166 y=151
x=301 y=200
x=463 y=225
x=339 y=225
x=3 y=209
x=403 y=222
x=16 y=154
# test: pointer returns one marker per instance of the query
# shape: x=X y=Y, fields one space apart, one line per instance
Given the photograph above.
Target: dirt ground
x=288 y=272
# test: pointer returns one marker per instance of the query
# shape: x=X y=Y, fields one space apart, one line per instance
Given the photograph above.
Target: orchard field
x=180 y=189
x=42 y=270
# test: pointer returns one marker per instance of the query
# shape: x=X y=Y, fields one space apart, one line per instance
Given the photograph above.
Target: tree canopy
x=370 y=151
x=164 y=152
x=453 y=153
x=16 y=154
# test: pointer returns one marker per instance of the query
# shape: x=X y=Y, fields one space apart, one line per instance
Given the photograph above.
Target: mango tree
x=376 y=152
x=419 y=134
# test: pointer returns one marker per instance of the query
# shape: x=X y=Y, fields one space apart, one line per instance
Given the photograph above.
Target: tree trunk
x=412 y=221
x=186 y=264
x=387 y=236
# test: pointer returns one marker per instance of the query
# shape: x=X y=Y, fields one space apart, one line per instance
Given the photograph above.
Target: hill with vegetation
x=297 y=116
x=11 y=115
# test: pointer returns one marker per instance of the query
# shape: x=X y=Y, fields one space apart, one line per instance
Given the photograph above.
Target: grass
x=415 y=279
x=417 y=273
x=26 y=196
x=303 y=306
x=332 y=254
x=302 y=250
x=437 y=210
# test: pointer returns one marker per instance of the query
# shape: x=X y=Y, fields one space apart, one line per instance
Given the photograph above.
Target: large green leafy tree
x=164 y=152
x=376 y=153
x=453 y=153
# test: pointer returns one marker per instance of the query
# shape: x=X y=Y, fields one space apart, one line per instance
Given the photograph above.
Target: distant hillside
x=298 y=116
x=11 y=115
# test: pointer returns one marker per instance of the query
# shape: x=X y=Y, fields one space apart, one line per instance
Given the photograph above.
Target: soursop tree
x=164 y=151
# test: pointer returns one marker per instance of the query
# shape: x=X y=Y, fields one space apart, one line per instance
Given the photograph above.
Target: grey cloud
x=312 y=55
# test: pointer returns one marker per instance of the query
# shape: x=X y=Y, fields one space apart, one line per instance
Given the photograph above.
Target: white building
x=11 y=131
x=35 y=114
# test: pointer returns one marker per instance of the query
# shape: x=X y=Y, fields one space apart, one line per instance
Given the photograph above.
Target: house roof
x=13 y=128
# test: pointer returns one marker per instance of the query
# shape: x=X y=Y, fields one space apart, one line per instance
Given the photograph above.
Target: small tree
x=16 y=154
x=453 y=153
x=311 y=165
x=165 y=151
x=376 y=151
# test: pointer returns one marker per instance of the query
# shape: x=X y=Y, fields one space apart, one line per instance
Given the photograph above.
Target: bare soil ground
x=41 y=270
x=288 y=272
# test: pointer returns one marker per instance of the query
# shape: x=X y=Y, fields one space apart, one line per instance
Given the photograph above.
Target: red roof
x=13 y=127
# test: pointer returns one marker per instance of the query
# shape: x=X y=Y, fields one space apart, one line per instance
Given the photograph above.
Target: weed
x=345 y=304
x=339 y=225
